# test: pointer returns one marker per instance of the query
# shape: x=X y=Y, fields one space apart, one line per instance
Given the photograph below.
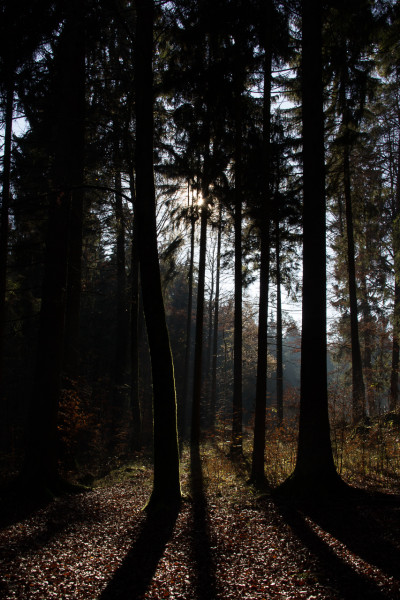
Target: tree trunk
x=315 y=470
x=358 y=387
x=74 y=275
x=41 y=460
x=279 y=353
x=394 y=375
x=367 y=339
x=166 y=484
x=188 y=344
x=257 y=468
x=5 y=207
x=207 y=377
x=213 y=399
x=237 y=432
x=198 y=348
x=135 y=400
x=121 y=341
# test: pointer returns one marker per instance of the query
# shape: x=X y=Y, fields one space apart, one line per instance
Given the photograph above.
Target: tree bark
x=358 y=387
x=135 y=400
x=257 y=468
x=121 y=340
x=188 y=342
x=315 y=470
x=4 y=225
x=41 y=459
x=166 y=484
x=394 y=375
x=279 y=352
x=213 y=399
x=198 y=348
x=75 y=243
x=237 y=426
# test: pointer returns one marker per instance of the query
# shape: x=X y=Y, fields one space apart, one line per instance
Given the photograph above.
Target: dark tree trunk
x=5 y=207
x=213 y=398
x=367 y=340
x=315 y=470
x=198 y=347
x=237 y=426
x=279 y=352
x=121 y=341
x=208 y=360
x=394 y=375
x=135 y=400
x=188 y=343
x=41 y=460
x=166 y=485
x=74 y=275
x=257 y=468
x=356 y=363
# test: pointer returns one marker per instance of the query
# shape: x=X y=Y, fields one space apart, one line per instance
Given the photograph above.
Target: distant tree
x=389 y=67
x=351 y=84
x=213 y=397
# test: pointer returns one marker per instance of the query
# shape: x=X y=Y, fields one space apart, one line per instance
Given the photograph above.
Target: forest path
x=226 y=543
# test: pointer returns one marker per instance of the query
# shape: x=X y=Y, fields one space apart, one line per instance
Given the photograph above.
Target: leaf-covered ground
x=226 y=542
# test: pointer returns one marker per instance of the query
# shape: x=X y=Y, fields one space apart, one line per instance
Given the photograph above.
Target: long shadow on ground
x=369 y=527
x=202 y=556
x=57 y=516
x=132 y=579
x=355 y=524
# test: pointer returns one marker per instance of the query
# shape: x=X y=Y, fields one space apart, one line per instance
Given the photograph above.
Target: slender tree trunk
x=75 y=244
x=367 y=339
x=198 y=348
x=188 y=345
x=237 y=426
x=315 y=469
x=135 y=400
x=257 y=468
x=394 y=375
x=357 y=374
x=279 y=353
x=166 y=484
x=5 y=207
x=41 y=460
x=122 y=321
x=207 y=377
x=213 y=399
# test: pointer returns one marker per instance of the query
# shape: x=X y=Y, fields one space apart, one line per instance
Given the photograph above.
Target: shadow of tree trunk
x=202 y=554
x=335 y=571
x=369 y=527
x=132 y=579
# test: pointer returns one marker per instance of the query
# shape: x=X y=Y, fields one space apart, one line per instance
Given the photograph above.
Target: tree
x=166 y=484
x=257 y=468
x=41 y=459
x=352 y=84
x=27 y=27
x=315 y=470
x=213 y=398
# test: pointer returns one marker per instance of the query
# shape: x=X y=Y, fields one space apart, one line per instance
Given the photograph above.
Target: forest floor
x=227 y=542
